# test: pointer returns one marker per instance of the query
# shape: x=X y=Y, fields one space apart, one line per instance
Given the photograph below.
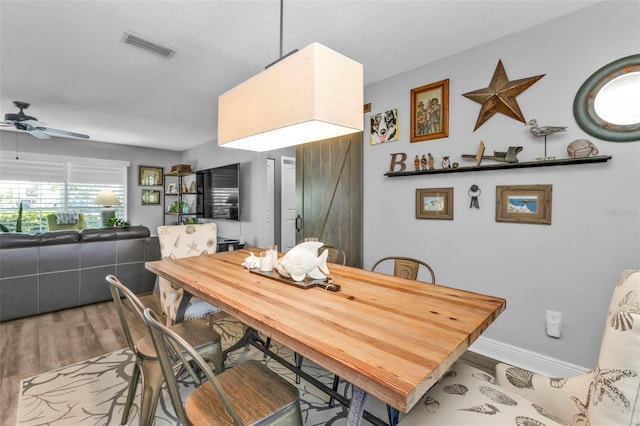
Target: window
x=51 y=184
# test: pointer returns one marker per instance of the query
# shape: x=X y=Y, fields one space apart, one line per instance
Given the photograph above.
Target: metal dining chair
x=247 y=394
x=406 y=267
x=147 y=365
x=335 y=255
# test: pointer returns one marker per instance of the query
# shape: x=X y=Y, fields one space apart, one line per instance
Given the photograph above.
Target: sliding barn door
x=329 y=194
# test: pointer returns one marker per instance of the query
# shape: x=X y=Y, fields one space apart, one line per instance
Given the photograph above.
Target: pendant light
x=305 y=96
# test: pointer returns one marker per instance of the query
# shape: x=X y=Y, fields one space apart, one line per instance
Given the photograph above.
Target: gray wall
x=570 y=266
x=253 y=197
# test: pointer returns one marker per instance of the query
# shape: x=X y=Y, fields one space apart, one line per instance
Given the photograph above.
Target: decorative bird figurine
x=544 y=131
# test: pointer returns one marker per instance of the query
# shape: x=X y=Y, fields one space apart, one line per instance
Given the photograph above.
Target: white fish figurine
x=303 y=260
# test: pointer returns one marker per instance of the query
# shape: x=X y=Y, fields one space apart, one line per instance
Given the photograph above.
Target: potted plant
x=116 y=221
x=179 y=207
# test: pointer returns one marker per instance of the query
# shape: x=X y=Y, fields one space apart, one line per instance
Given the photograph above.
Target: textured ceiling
x=67 y=60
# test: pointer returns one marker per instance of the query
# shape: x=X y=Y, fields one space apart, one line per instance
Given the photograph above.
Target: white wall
x=569 y=266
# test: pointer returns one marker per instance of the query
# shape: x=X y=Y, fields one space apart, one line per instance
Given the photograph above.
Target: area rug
x=93 y=392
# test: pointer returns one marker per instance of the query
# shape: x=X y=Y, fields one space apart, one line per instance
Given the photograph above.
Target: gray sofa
x=62 y=269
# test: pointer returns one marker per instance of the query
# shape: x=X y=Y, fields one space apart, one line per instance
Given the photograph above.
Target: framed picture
x=434 y=203
x=430 y=111
x=171 y=188
x=150 y=197
x=150 y=176
x=524 y=204
x=384 y=127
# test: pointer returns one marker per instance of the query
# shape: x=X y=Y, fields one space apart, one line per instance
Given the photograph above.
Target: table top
x=392 y=337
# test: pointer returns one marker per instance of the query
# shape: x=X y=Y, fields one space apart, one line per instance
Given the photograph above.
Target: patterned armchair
x=66 y=221
x=606 y=395
x=184 y=241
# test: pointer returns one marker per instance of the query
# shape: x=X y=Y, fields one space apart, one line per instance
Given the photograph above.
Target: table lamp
x=107 y=199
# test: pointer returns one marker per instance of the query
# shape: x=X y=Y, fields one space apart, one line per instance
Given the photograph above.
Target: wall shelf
x=501 y=166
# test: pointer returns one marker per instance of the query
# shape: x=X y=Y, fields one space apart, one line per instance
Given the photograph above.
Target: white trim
x=532 y=361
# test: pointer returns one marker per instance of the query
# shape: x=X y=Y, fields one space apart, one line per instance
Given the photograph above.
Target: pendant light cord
x=281 y=26
x=281 y=38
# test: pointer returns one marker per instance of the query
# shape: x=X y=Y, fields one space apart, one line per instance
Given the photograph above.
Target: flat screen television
x=218 y=192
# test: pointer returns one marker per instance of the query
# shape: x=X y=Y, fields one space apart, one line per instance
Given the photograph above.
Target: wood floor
x=34 y=345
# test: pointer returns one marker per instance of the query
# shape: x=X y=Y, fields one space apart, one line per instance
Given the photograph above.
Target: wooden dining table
x=389 y=337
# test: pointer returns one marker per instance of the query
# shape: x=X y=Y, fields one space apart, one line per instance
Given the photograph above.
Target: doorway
x=287 y=203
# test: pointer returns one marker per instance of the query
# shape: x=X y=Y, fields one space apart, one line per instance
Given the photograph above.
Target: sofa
x=62 y=269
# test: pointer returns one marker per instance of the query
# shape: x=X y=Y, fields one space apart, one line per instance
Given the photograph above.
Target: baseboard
x=531 y=361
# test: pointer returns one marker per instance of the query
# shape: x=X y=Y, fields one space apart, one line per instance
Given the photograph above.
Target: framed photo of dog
x=384 y=127
x=430 y=111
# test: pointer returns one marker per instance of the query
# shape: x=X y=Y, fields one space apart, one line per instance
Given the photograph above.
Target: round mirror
x=607 y=105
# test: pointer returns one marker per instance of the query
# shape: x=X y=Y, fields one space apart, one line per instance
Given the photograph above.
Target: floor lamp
x=107 y=199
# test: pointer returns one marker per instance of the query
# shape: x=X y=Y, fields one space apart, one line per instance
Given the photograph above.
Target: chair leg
x=213 y=353
x=152 y=380
x=334 y=387
x=131 y=393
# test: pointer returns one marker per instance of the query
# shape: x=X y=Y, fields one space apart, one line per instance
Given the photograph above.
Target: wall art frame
x=150 y=176
x=150 y=197
x=524 y=204
x=434 y=203
x=430 y=111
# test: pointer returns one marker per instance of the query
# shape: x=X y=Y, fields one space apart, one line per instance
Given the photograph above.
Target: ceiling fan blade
x=32 y=123
x=38 y=133
x=64 y=132
x=6 y=124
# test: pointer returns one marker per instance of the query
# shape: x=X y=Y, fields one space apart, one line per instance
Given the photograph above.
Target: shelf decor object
x=524 y=204
x=434 y=203
x=304 y=96
x=430 y=111
x=500 y=166
x=150 y=176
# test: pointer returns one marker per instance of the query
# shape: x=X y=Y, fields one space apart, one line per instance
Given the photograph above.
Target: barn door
x=329 y=194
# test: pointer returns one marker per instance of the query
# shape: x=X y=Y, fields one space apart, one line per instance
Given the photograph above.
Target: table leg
x=356 y=409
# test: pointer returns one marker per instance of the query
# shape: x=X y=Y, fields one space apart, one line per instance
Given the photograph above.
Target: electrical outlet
x=554 y=324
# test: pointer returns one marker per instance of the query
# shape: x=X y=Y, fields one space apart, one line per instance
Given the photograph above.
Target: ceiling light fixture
x=305 y=96
x=148 y=45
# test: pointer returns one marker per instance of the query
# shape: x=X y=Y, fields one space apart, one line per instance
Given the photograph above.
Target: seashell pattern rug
x=93 y=392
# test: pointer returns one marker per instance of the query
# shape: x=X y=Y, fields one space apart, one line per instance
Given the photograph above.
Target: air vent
x=148 y=45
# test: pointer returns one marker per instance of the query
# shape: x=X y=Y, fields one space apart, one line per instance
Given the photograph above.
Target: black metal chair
x=247 y=394
x=147 y=365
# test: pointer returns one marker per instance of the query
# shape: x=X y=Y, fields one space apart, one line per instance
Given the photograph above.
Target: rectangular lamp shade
x=312 y=95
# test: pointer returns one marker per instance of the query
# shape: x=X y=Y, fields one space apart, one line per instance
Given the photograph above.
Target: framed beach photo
x=150 y=197
x=430 y=111
x=150 y=176
x=434 y=203
x=524 y=204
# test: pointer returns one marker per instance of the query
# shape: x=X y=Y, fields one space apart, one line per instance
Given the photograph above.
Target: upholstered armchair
x=66 y=221
x=606 y=395
x=184 y=241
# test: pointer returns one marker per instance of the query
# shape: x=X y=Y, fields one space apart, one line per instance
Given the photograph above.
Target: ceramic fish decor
x=303 y=260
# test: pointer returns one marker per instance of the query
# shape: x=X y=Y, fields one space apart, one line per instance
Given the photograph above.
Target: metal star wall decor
x=500 y=96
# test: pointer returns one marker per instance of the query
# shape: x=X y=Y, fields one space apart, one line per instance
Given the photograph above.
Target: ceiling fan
x=31 y=125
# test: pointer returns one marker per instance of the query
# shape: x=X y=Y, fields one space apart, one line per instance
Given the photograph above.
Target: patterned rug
x=93 y=392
